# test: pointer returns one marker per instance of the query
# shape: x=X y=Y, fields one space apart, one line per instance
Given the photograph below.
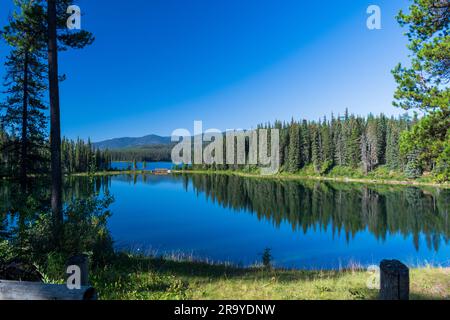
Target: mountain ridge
x=130 y=142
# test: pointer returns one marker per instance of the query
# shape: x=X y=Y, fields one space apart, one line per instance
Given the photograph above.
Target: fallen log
x=24 y=290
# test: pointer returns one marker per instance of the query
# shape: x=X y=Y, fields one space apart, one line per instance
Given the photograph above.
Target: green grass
x=134 y=277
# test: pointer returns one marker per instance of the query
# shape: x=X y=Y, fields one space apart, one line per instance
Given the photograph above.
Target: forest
x=76 y=157
x=349 y=144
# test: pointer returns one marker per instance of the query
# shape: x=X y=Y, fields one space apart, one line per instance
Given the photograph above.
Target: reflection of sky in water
x=160 y=216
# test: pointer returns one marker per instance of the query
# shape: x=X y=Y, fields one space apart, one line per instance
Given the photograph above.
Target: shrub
x=267 y=258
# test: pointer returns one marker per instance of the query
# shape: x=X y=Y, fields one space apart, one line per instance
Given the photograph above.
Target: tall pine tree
x=25 y=83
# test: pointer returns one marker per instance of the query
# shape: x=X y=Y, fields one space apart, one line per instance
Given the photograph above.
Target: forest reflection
x=348 y=208
x=307 y=205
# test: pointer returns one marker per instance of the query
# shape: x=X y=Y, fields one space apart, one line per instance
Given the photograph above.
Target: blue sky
x=158 y=65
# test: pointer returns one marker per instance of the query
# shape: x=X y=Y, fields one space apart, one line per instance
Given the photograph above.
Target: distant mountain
x=123 y=143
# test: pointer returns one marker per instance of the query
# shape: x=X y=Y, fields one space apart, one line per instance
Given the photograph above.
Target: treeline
x=79 y=156
x=360 y=143
x=350 y=141
x=76 y=157
x=146 y=153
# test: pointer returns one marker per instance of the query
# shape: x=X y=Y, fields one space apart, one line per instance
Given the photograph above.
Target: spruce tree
x=25 y=83
x=393 y=160
x=369 y=145
x=294 y=148
x=305 y=144
x=316 y=148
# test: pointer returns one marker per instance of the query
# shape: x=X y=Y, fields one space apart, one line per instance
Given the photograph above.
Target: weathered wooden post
x=82 y=261
x=394 y=280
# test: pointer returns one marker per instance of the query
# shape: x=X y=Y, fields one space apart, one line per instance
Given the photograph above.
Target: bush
x=84 y=230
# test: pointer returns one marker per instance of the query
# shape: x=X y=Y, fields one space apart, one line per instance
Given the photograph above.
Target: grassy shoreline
x=287 y=176
x=139 y=277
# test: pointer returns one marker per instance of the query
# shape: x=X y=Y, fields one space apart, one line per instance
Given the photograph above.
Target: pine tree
x=327 y=145
x=413 y=168
x=352 y=141
x=393 y=160
x=294 y=148
x=424 y=83
x=58 y=38
x=381 y=132
x=369 y=146
x=339 y=142
x=316 y=149
x=25 y=82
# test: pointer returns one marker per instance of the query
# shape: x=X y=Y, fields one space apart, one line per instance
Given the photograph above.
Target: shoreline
x=325 y=178
x=281 y=177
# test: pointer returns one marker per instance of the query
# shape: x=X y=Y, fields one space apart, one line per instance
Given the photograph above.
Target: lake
x=306 y=224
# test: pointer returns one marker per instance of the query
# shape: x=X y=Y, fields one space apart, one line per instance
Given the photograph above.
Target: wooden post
x=82 y=261
x=394 y=280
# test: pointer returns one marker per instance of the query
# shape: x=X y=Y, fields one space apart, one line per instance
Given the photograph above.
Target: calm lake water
x=306 y=224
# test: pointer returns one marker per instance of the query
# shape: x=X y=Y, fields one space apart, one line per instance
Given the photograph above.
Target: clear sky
x=158 y=65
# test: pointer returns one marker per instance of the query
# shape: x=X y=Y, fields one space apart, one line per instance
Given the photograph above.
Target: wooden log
x=394 y=280
x=81 y=261
x=23 y=290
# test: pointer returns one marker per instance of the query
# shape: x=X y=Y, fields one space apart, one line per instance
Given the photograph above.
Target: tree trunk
x=55 y=127
x=24 y=144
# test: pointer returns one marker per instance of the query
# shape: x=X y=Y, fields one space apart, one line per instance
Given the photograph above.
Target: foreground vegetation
x=124 y=276
x=138 y=277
